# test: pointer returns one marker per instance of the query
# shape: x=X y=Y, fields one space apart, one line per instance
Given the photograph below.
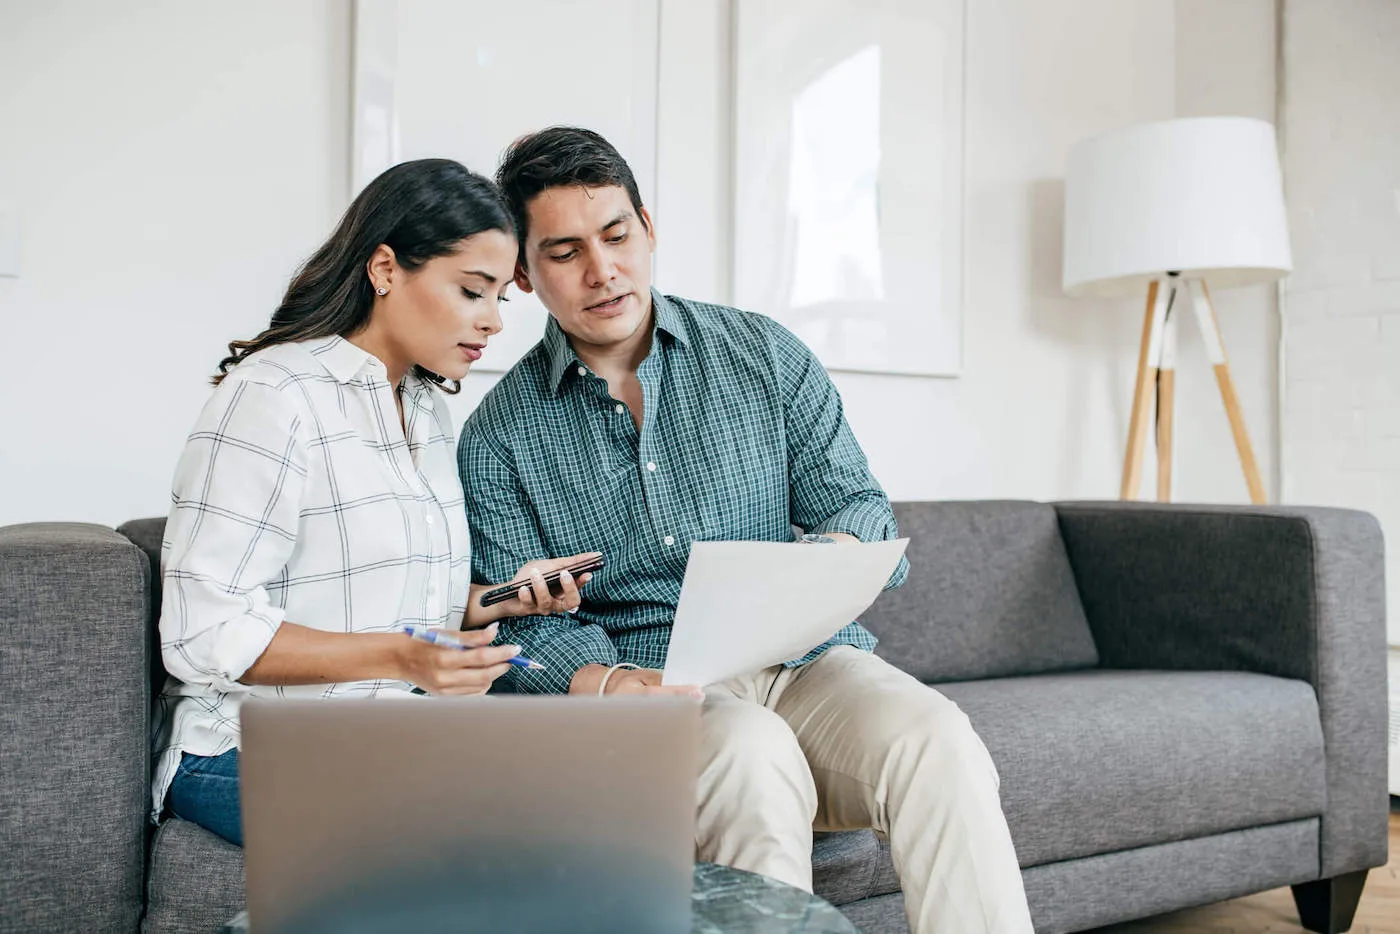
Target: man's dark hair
x=556 y=157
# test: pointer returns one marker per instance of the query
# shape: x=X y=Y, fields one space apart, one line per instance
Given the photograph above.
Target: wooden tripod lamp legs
x=1166 y=399
x=1215 y=347
x=1148 y=355
x=1157 y=367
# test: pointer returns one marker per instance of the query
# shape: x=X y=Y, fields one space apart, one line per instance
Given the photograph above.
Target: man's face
x=588 y=257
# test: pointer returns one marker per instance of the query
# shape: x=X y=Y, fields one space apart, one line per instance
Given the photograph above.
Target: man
x=643 y=422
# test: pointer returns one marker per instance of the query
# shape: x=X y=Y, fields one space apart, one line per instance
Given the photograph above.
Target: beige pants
x=848 y=742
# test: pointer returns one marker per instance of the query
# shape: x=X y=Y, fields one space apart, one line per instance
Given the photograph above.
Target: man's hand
x=633 y=681
x=836 y=537
x=533 y=598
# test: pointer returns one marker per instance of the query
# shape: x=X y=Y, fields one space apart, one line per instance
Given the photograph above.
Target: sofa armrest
x=74 y=714
x=1292 y=592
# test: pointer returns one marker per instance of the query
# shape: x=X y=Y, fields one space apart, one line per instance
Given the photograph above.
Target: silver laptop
x=520 y=814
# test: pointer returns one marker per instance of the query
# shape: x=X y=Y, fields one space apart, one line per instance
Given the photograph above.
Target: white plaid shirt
x=297 y=498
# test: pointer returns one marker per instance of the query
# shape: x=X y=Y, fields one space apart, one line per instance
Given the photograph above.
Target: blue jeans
x=205 y=792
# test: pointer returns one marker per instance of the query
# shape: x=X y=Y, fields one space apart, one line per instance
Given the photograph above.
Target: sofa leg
x=1328 y=905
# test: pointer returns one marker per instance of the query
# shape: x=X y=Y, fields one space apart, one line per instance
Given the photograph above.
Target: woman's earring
x=381 y=291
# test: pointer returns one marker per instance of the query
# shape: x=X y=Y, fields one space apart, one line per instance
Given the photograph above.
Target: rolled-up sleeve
x=506 y=536
x=232 y=527
x=832 y=487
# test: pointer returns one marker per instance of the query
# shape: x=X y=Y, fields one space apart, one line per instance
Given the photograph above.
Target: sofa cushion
x=990 y=594
x=1100 y=761
x=196 y=879
x=843 y=865
x=851 y=865
x=195 y=882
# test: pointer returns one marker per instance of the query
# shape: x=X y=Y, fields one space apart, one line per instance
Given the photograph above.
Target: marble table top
x=731 y=901
x=728 y=900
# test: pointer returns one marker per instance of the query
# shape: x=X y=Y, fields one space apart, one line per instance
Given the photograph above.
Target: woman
x=317 y=509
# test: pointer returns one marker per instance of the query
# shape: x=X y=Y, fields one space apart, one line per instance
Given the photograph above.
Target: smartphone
x=551 y=580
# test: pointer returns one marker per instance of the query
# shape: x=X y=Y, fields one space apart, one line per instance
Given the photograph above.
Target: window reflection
x=833 y=187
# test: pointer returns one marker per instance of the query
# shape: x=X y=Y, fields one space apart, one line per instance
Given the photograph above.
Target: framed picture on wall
x=848 y=177
x=461 y=79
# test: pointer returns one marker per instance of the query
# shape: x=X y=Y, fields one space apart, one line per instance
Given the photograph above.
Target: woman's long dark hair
x=419 y=209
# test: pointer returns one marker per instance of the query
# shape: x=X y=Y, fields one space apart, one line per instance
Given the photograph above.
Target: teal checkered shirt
x=743 y=437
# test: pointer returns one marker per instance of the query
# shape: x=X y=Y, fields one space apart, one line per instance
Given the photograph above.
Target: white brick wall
x=1340 y=123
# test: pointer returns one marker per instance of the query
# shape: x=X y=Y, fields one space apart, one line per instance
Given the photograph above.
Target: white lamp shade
x=1200 y=196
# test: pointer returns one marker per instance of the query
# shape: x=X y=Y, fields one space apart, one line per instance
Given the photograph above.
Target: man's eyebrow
x=550 y=242
x=477 y=272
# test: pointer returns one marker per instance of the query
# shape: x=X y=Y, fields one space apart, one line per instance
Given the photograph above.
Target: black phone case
x=551 y=580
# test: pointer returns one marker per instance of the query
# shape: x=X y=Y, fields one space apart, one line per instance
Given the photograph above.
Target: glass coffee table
x=730 y=901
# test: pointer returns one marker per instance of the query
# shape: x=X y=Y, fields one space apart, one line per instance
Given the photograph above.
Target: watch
x=811 y=538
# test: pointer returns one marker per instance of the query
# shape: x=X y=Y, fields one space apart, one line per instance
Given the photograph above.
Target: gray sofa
x=1185 y=704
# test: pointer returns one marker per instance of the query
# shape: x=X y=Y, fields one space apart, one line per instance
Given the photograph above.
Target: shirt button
x=669 y=540
x=652 y=468
x=620 y=408
x=429 y=518
x=583 y=371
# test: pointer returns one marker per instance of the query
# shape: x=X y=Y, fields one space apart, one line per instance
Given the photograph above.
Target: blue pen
x=437 y=637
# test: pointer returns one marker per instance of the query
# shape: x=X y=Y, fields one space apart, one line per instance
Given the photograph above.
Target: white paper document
x=747 y=605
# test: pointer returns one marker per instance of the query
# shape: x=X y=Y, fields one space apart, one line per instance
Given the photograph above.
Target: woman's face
x=440 y=315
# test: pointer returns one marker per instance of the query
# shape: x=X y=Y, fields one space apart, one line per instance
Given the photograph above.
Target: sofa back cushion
x=146 y=534
x=990 y=594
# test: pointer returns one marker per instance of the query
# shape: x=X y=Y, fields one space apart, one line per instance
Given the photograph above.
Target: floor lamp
x=1175 y=209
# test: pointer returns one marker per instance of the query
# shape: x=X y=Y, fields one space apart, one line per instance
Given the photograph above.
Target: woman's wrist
x=389 y=653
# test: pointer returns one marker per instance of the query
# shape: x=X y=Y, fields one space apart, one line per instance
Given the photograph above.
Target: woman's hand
x=533 y=598
x=440 y=669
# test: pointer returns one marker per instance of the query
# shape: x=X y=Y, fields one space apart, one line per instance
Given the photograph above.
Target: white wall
x=1226 y=63
x=1341 y=411
x=175 y=163
x=1041 y=410
x=171 y=163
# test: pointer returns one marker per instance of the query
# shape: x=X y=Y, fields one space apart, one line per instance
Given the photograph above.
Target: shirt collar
x=342 y=359
x=559 y=353
x=668 y=318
